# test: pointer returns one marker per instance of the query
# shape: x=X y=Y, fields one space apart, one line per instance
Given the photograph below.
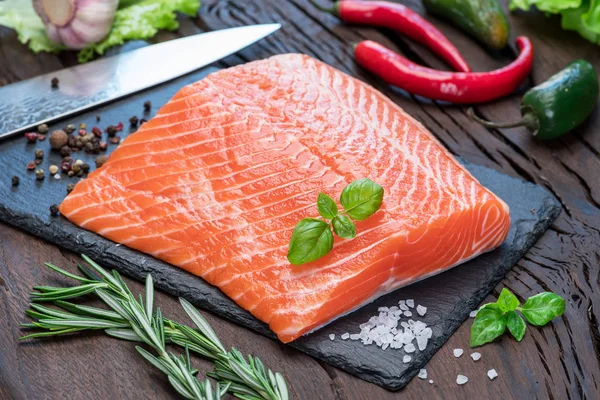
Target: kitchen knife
x=27 y=104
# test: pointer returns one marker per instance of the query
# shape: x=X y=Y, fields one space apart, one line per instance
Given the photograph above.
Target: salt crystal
x=345 y=336
x=492 y=374
x=421 y=310
x=354 y=336
x=427 y=332
x=380 y=309
x=422 y=342
x=457 y=352
x=410 y=303
x=422 y=373
x=476 y=356
x=407 y=314
x=406 y=359
x=409 y=348
x=332 y=336
x=430 y=381
x=385 y=346
x=402 y=305
x=56 y=176
x=461 y=379
x=419 y=327
x=473 y=314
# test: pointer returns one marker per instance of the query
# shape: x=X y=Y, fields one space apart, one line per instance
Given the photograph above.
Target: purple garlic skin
x=76 y=24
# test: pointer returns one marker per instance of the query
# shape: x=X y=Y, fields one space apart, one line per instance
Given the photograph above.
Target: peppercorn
x=31 y=165
x=15 y=181
x=97 y=118
x=78 y=143
x=70 y=173
x=86 y=138
x=65 y=151
x=70 y=187
x=39 y=174
x=89 y=147
x=111 y=130
x=79 y=162
x=96 y=131
x=143 y=121
x=70 y=128
x=54 y=210
x=75 y=168
x=80 y=173
x=103 y=146
x=101 y=160
x=82 y=125
x=85 y=167
x=119 y=127
x=68 y=159
x=39 y=153
x=147 y=105
x=115 y=140
x=43 y=128
x=38 y=161
x=54 y=83
x=82 y=132
x=58 y=139
x=72 y=141
x=31 y=137
x=134 y=120
x=53 y=169
x=41 y=137
x=65 y=166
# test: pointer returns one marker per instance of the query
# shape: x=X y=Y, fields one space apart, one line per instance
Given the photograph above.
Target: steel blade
x=26 y=104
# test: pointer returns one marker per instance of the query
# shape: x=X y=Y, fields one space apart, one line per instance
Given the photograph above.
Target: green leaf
x=201 y=323
x=311 y=240
x=543 y=308
x=515 y=325
x=141 y=20
x=344 y=227
x=361 y=199
x=507 y=301
x=489 y=323
x=327 y=207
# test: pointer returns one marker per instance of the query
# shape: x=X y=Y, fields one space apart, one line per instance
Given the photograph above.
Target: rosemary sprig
x=135 y=320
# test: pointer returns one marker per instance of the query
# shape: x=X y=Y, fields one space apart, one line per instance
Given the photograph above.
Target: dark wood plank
x=558 y=361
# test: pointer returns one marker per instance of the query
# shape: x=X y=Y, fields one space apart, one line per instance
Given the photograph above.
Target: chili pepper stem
x=525 y=121
x=332 y=10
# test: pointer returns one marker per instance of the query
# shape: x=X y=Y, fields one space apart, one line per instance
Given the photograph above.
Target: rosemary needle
x=136 y=320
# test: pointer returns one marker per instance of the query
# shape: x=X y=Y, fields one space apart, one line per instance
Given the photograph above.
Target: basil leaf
x=507 y=301
x=361 y=198
x=489 y=323
x=515 y=325
x=327 y=207
x=344 y=227
x=311 y=240
x=542 y=308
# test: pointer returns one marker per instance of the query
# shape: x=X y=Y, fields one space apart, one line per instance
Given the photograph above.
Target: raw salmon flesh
x=216 y=182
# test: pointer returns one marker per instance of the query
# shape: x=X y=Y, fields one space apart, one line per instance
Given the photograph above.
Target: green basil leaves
x=493 y=318
x=312 y=238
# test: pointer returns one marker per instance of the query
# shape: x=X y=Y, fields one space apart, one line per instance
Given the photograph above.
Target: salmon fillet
x=216 y=182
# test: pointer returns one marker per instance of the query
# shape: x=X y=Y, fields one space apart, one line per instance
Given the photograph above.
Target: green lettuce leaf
x=134 y=20
x=20 y=16
x=582 y=16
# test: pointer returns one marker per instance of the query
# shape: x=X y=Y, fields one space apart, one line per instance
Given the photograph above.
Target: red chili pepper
x=402 y=19
x=456 y=87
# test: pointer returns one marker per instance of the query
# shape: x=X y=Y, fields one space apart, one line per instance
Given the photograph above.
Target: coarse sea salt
x=422 y=373
x=430 y=381
x=457 y=352
x=332 y=336
x=492 y=374
x=476 y=356
x=393 y=328
x=473 y=314
x=406 y=359
x=461 y=379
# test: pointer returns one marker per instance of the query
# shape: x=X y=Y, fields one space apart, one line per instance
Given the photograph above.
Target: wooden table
x=560 y=361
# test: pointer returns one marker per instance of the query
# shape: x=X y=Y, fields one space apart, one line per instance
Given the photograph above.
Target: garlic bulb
x=76 y=23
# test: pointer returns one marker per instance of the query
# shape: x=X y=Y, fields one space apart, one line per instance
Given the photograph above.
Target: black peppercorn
x=15 y=181
x=85 y=167
x=111 y=130
x=54 y=83
x=134 y=120
x=70 y=187
x=39 y=154
x=147 y=105
x=54 y=210
x=65 y=151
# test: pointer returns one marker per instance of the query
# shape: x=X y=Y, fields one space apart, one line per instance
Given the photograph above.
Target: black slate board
x=449 y=297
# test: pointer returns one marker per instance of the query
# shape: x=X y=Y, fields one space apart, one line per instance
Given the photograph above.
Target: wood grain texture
x=560 y=361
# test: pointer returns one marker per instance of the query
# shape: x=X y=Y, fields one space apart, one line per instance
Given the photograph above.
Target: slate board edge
x=112 y=255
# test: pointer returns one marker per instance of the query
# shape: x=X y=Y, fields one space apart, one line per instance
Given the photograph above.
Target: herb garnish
x=138 y=320
x=493 y=318
x=312 y=237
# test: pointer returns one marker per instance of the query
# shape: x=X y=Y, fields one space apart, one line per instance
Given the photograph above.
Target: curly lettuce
x=582 y=16
x=134 y=20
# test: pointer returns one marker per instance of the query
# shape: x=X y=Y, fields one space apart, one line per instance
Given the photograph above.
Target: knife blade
x=27 y=104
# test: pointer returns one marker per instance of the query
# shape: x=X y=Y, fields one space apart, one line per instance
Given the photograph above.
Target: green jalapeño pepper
x=558 y=105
